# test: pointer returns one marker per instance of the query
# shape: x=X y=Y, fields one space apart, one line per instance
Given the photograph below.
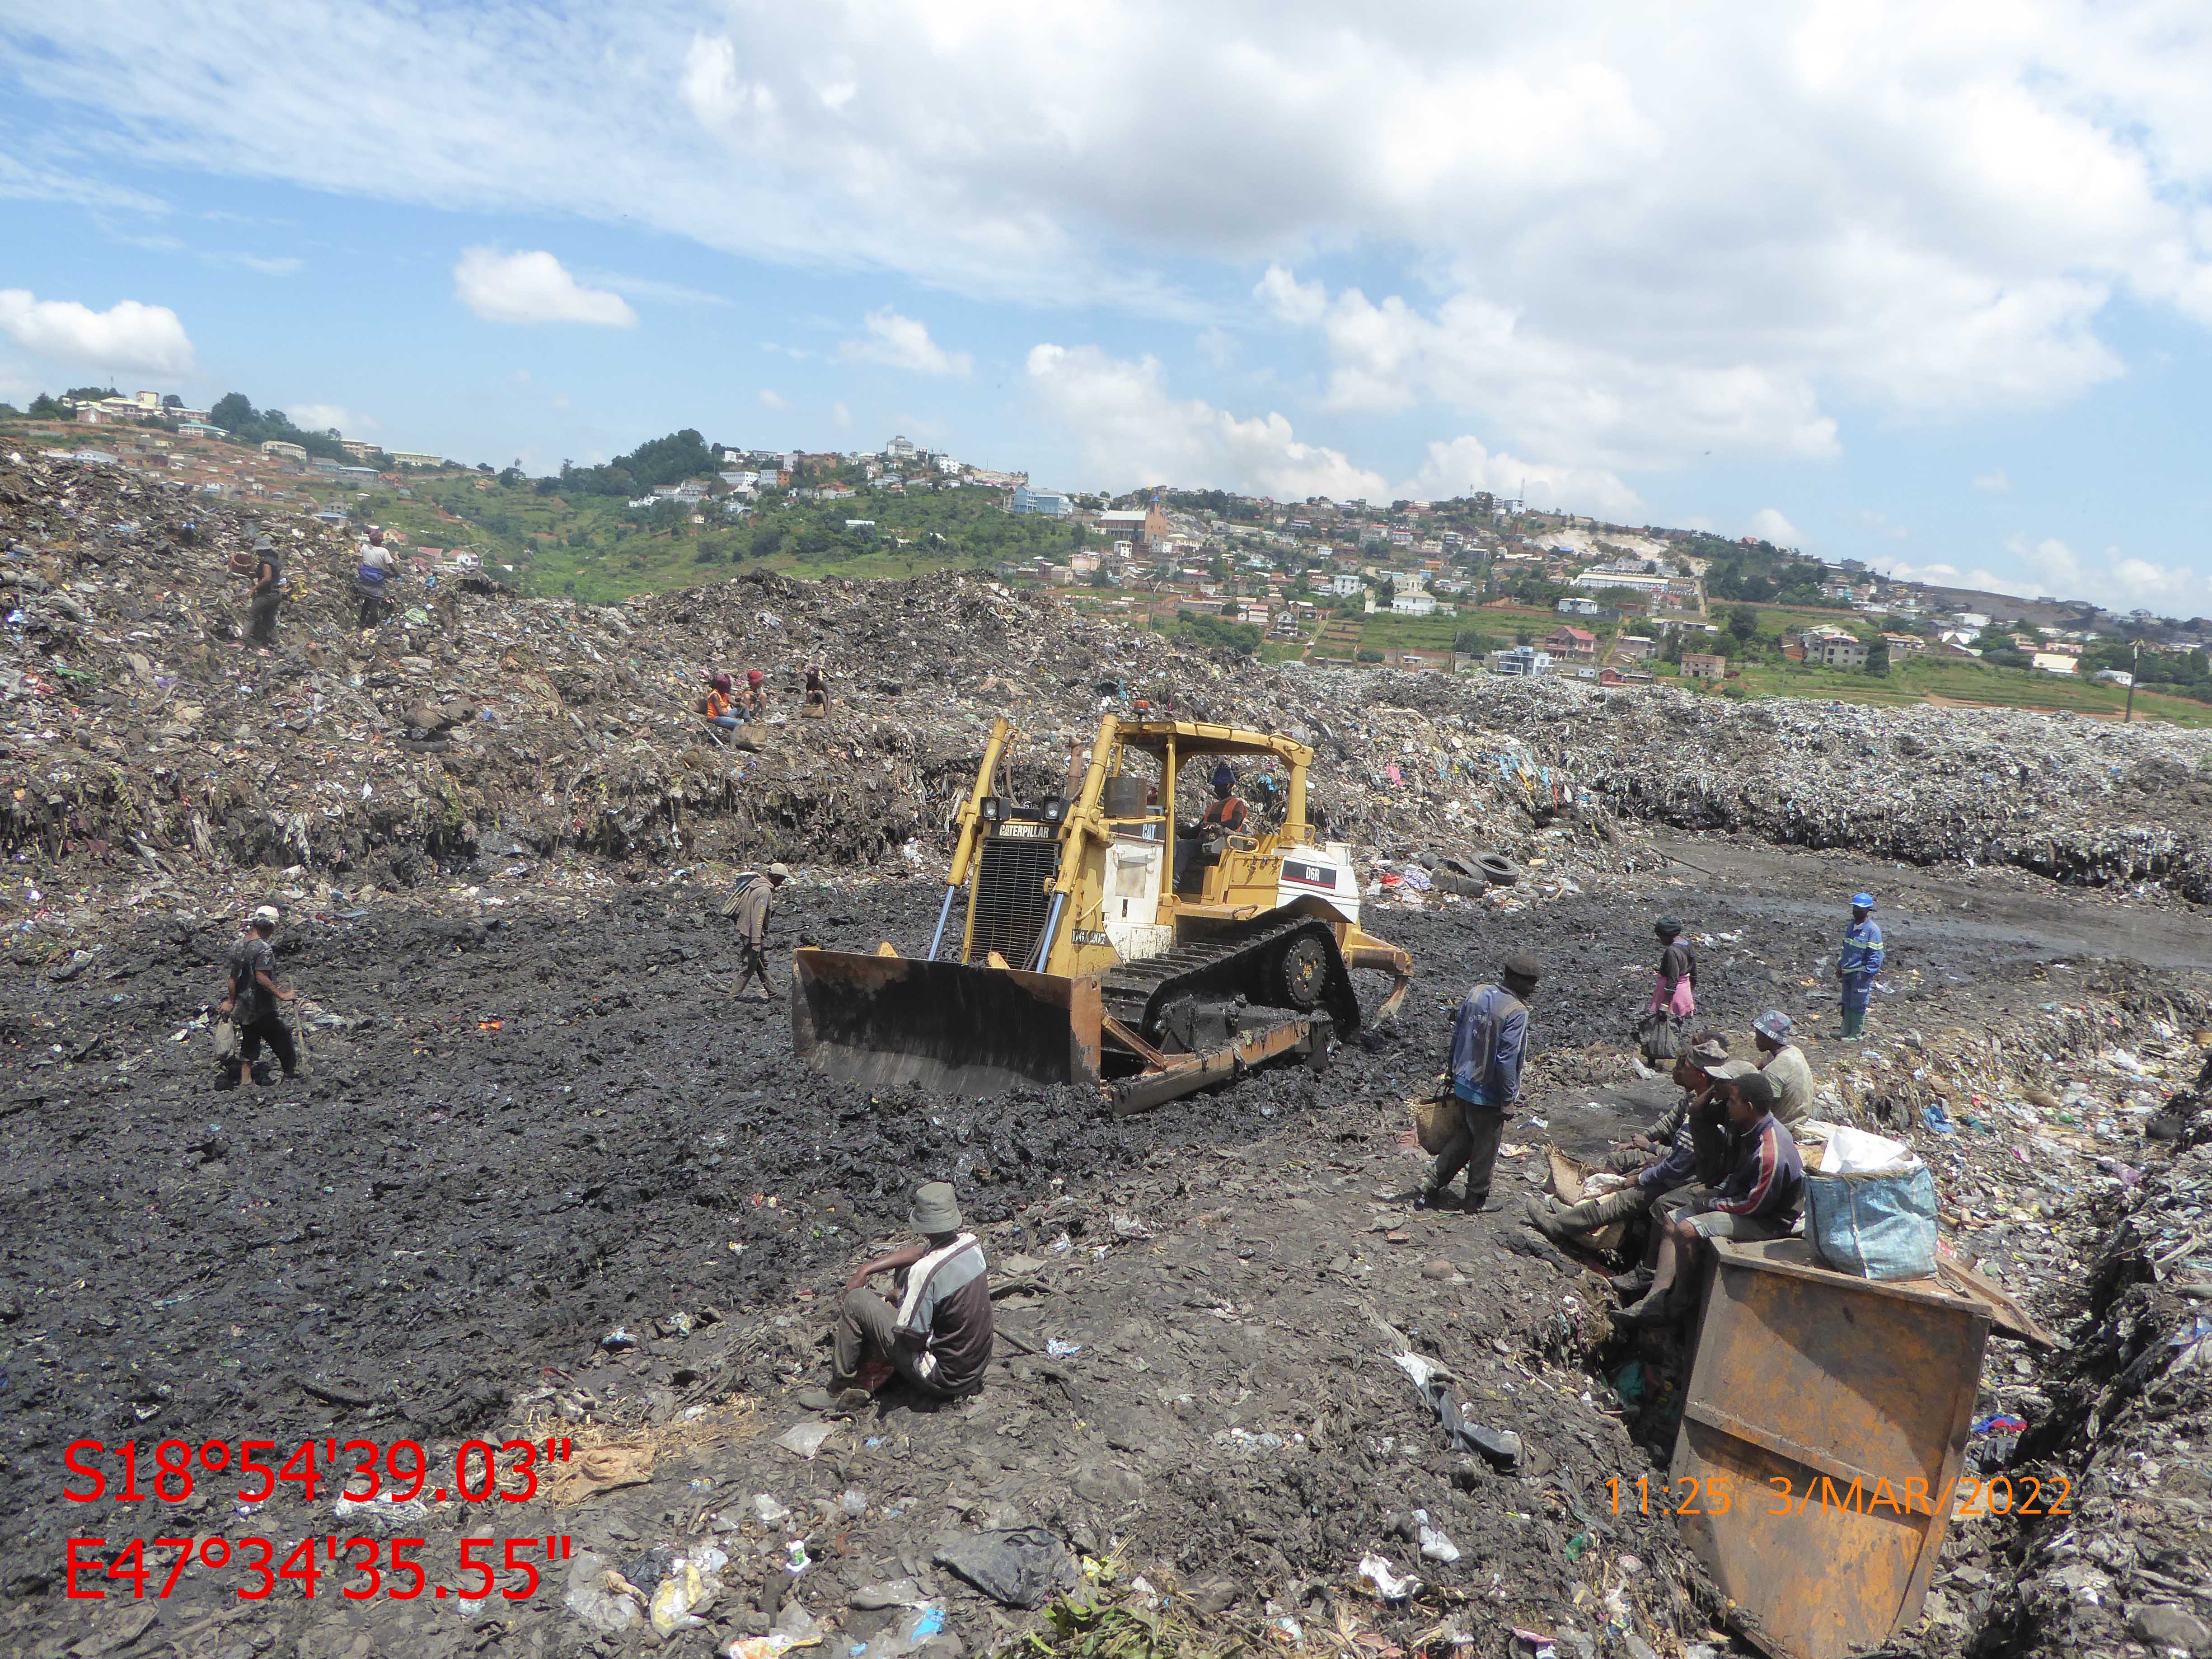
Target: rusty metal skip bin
x=1857 y=1397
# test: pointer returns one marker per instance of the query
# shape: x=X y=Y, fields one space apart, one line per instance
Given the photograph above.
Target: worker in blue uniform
x=1859 y=962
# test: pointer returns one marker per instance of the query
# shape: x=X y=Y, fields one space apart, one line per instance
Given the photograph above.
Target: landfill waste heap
x=139 y=724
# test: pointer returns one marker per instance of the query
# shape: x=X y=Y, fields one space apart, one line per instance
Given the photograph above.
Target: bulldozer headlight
x=993 y=809
x=1056 y=810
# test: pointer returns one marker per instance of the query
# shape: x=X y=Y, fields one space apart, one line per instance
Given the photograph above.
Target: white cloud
x=840 y=417
x=320 y=417
x=1666 y=231
x=534 y=288
x=1883 y=526
x=1133 y=433
x=279 y=264
x=148 y=339
x=2113 y=579
x=1463 y=466
x=2118 y=581
x=1769 y=525
x=899 y=342
x=1994 y=483
x=773 y=399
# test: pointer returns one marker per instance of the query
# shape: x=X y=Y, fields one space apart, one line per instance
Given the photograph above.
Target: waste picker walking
x=1859 y=962
x=251 y=1002
x=748 y=907
x=1489 y=1039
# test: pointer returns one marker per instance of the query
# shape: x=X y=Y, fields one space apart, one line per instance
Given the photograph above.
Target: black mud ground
x=443 y=1217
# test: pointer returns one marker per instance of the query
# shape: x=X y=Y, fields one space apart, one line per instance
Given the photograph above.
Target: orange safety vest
x=717 y=705
x=1228 y=814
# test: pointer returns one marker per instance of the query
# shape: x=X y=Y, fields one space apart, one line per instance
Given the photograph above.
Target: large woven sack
x=1435 y=1122
x=1880 y=1225
x=226 y=1041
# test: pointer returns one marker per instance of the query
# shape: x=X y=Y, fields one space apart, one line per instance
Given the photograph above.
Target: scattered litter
x=805 y=1439
x=1388 y=1584
x=1022 y=1567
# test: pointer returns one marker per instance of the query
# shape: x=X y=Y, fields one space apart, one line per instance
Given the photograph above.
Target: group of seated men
x=1721 y=1163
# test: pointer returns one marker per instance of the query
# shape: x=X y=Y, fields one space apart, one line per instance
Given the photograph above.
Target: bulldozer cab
x=1141 y=852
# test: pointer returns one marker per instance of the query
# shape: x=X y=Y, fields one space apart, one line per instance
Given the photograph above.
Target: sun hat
x=936 y=1208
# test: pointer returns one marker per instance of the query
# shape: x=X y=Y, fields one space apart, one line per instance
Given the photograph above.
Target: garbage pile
x=2074 y=800
x=137 y=721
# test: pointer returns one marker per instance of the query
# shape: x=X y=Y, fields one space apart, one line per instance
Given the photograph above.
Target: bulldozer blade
x=882 y=1021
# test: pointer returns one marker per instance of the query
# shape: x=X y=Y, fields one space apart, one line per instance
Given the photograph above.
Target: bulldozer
x=1106 y=944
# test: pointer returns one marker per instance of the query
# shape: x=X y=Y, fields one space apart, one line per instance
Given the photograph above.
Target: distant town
x=1475 y=583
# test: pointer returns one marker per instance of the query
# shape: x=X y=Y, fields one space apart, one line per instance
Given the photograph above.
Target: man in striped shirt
x=1758 y=1199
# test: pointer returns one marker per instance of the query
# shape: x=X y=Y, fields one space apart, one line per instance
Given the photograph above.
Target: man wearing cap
x=251 y=1003
x=749 y=906
x=938 y=1335
x=753 y=700
x=1668 y=1155
x=1859 y=962
x=267 y=594
x=1757 y=1200
x=1489 y=1039
x=1784 y=1064
x=374 y=575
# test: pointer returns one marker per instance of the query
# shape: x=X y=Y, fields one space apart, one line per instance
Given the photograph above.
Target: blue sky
x=1925 y=285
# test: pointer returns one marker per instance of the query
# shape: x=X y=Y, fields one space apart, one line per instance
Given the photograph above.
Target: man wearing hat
x=1692 y=1135
x=250 y=1004
x=1757 y=1199
x=938 y=1335
x=1785 y=1066
x=267 y=594
x=749 y=905
x=1859 y=962
x=1488 y=1041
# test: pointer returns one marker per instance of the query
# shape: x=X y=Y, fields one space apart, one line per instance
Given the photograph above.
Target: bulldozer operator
x=1200 y=844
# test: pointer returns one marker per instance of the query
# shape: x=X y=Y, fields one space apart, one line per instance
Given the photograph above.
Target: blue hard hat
x=1862 y=900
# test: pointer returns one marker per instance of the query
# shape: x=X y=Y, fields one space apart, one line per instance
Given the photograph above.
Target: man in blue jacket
x=1489 y=1039
x=1858 y=962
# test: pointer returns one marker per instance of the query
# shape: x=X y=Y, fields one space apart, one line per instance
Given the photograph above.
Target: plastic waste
x=1021 y=1566
x=805 y=1439
x=383 y=1510
x=1388 y=1584
x=1436 y=1544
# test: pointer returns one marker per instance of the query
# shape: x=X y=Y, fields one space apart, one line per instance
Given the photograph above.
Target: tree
x=1473 y=642
x=1743 y=624
x=233 y=412
x=1878 y=657
x=43 y=408
x=170 y=400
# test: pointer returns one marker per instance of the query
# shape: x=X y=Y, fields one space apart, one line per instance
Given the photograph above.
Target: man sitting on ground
x=939 y=1336
x=1657 y=1163
x=1758 y=1200
x=1784 y=1064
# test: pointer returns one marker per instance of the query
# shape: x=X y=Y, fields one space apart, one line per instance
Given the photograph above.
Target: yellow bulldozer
x=1107 y=944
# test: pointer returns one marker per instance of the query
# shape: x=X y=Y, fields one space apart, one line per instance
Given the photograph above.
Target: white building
x=1640 y=580
x=1413 y=602
x=1524 y=661
x=1346 y=583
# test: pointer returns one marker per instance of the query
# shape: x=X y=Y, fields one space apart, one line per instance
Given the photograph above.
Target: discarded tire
x=1499 y=871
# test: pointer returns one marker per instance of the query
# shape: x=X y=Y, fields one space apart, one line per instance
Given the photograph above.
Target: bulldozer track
x=1225 y=964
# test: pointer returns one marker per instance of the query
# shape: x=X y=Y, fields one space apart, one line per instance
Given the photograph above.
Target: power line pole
x=2135 y=668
